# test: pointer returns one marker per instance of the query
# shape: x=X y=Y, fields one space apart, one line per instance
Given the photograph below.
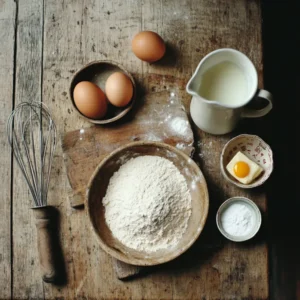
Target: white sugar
x=238 y=219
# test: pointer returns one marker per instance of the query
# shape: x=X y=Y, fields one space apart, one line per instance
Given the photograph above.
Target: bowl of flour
x=147 y=203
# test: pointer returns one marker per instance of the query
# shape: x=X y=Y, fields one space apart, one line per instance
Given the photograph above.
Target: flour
x=237 y=219
x=148 y=204
x=180 y=125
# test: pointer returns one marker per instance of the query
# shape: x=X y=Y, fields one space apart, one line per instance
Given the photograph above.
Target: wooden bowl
x=98 y=72
x=255 y=149
x=97 y=189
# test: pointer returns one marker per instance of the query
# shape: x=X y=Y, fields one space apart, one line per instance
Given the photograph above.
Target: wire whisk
x=32 y=135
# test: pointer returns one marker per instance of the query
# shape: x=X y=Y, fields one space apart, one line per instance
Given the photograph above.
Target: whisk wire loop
x=31 y=133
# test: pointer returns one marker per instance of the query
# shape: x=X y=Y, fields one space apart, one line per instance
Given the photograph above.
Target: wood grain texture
x=125 y=271
x=157 y=116
x=77 y=32
x=46 y=231
x=27 y=280
x=7 y=37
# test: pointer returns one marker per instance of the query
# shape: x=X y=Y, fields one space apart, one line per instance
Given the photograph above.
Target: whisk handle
x=45 y=226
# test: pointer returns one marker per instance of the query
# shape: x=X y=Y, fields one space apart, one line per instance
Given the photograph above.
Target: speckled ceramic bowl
x=255 y=149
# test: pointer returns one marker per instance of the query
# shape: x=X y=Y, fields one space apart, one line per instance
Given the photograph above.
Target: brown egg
x=118 y=89
x=90 y=100
x=148 y=46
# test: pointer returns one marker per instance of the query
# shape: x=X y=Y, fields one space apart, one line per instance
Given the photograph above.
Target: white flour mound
x=148 y=204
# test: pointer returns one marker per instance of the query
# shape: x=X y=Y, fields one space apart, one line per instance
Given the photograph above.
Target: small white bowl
x=256 y=216
x=255 y=149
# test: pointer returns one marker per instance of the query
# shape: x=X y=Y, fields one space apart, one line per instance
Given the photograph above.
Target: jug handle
x=257 y=113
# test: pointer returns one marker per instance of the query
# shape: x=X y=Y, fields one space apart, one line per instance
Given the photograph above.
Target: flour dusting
x=179 y=125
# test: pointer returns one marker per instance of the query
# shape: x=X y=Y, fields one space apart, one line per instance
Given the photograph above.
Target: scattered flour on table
x=180 y=125
x=148 y=204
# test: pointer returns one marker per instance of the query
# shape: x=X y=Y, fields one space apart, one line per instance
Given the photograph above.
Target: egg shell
x=119 y=89
x=90 y=100
x=148 y=46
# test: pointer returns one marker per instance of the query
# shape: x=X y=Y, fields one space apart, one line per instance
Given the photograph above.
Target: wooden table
x=42 y=45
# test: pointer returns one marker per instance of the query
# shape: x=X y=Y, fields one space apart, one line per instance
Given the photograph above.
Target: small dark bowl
x=98 y=72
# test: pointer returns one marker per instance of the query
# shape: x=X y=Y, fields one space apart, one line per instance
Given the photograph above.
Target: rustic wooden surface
x=155 y=117
x=43 y=45
x=7 y=36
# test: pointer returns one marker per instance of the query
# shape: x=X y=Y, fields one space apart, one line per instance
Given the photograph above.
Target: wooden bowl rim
x=140 y=261
x=238 y=184
x=123 y=112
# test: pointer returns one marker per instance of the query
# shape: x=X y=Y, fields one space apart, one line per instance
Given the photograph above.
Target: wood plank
x=153 y=120
x=79 y=32
x=210 y=26
x=64 y=44
x=80 y=24
x=7 y=37
x=27 y=281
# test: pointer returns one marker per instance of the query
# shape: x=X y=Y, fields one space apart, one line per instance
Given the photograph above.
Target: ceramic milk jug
x=224 y=82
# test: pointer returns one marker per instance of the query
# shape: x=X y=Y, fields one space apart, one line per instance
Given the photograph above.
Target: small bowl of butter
x=238 y=219
x=246 y=161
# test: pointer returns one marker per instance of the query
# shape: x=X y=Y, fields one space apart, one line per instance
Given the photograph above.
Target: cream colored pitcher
x=223 y=83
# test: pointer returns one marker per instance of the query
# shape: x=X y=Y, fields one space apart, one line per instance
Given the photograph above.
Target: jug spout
x=193 y=86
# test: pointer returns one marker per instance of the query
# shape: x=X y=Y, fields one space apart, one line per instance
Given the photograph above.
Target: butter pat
x=254 y=169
